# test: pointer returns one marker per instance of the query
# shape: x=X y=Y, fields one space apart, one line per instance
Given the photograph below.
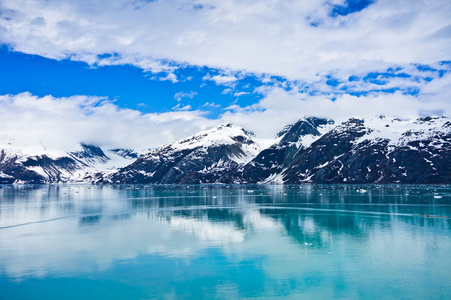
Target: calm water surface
x=225 y=242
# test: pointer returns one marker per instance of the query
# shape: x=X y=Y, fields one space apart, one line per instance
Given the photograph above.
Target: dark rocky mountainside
x=20 y=166
x=207 y=157
x=378 y=150
x=313 y=150
x=274 y=159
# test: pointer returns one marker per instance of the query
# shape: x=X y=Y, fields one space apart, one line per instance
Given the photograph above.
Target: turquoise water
x=225 y=242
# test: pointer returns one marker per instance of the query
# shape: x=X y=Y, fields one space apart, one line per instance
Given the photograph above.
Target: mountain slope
x=292 y=138
x=37 y=166
x=377 y=150
x=206 y=157
x=313 y=150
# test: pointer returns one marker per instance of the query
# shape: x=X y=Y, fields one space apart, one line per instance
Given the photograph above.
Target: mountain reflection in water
x=225 y=241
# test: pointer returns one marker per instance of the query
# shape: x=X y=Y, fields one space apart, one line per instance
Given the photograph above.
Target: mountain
x=271 y=161
x=313 y=150
x=377 y=150
x=36 y=165
x=206 y=157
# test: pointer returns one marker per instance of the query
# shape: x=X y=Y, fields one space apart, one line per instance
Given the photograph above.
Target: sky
x=142 y=73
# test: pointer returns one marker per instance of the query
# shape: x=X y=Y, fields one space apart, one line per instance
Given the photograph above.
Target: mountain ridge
x=206 y=157
x=312 y=150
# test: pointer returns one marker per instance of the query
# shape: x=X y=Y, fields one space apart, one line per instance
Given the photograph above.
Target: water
x=225 y=242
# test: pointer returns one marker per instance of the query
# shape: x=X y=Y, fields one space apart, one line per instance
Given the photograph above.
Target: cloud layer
x=27 y=120
x=57 y=123
x=294 y=39
x=311 y=58
x=280 y=107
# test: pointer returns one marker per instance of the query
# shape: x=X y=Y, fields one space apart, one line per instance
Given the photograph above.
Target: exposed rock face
x=377 y=150
x=207 y=157
x=18 y=166
x=12 y=170
x=313 y=150
x=371 y=150
x=126 y=153
x=273 y=160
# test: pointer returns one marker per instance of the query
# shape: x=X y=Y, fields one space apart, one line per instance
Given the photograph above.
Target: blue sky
x=128 y=86
x=176 y=67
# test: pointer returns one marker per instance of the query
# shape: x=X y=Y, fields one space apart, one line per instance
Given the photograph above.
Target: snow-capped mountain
x=313 y=150
x=39 y=165
x=271 y=161
x=377 y=150
x=206 y=157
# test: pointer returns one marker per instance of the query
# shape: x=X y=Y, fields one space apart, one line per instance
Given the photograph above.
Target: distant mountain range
x=313 y=150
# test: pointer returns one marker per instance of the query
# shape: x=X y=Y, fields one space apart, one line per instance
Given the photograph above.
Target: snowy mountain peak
x=226 y=134
x=37 y=164
x=400 y=132
x=90 y=154
x=375 y=149
x=206 y=157
x=126 y=153
x=305 y=131
x=284 y=130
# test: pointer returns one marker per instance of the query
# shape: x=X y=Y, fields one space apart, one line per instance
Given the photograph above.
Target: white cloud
x=180 y=107
x=238 y=94
x=180 y=95
x=211 y=104
x=57 y=123
x=62 y=123
x=170 y=76
x=223 y=79
x=280 y=107
x=232 y=92
x=263 y=37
